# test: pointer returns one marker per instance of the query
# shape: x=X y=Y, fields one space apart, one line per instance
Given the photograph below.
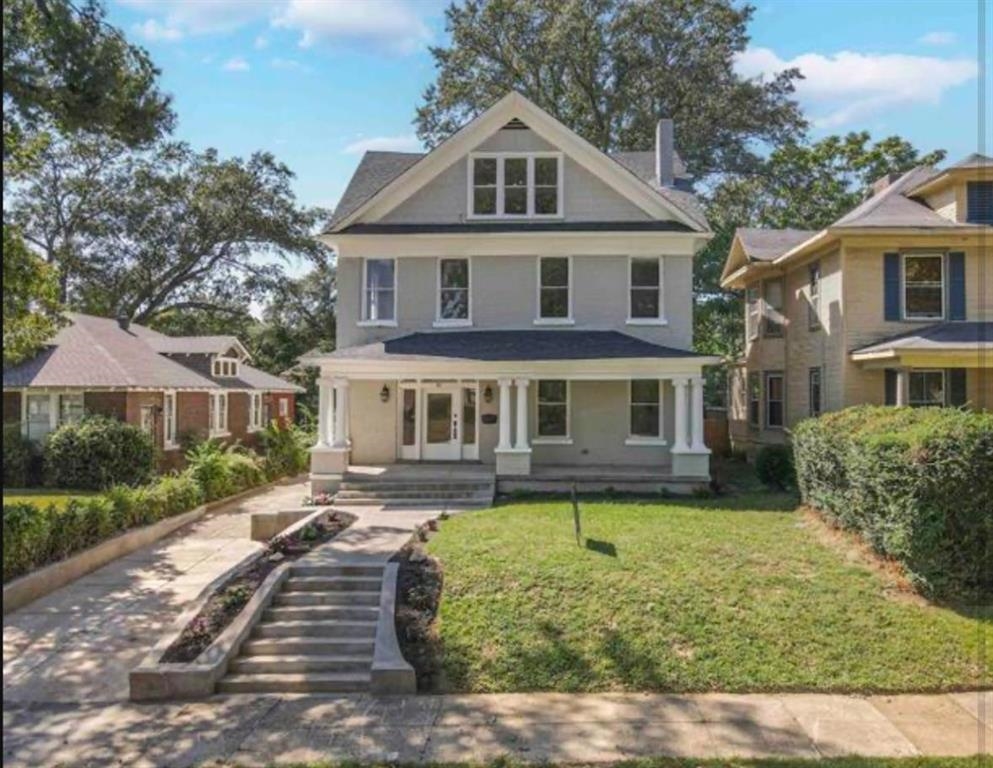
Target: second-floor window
x=379 y=291
x=772 y=323
x=515 y=185
x=554 y=279
x=453 y=292
x=645 y=290
x=752 y=312
x=923 y=286
x=979 y=202
x=814 y=308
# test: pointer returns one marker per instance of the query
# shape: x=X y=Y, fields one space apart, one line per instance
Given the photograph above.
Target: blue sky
x=318 y=81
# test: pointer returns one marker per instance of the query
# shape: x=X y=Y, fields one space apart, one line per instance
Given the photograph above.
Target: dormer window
x=512 y=185
x=225 y=367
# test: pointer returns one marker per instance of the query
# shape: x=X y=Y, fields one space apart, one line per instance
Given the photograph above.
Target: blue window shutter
x=889 y=391
x=891 y=286
x=957 y=394
x=956 y=286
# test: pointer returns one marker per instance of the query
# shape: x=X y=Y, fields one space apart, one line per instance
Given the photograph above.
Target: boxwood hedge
x=917 y=484
x=96 y=453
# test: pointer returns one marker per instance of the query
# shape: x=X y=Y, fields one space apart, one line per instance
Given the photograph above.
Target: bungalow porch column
x=323 y=413
x=679 y=442
x=341 y=436
x=902 y=386
x=696 y=415
x=504 y=416
x=522 y=415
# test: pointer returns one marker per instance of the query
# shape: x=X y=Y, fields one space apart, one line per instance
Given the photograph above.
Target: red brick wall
x=290 y=398
x=138 y=400
x=192 y=414
x=112 y=404
x=11 y=407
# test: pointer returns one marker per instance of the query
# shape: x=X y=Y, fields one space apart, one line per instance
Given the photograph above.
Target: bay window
x=515 y=185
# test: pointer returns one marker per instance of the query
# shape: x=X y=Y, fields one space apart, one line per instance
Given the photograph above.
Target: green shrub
x=222 y=470
x=286 y=450
x=16 y=457
x=774 y=466
x=97 y=453
x=917 y=484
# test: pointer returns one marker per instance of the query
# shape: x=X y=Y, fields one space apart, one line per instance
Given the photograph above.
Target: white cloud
x=938 y=38
x=408 y=143
x=261 y=42
x=236 y=64
x=390 y=26
x=844 y=87
x=200 y=17
x=278 y=62
x=154 y=31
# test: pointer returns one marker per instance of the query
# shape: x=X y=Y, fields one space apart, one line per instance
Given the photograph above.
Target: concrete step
x=315 y=629
x=412 y=493
x=300 y=682
x=321 y=613
x=326 y=598
x=348 y=484
x=332 y=584
x=316 y=646
x=275 y=665
x=316 y=569
x=417 y=503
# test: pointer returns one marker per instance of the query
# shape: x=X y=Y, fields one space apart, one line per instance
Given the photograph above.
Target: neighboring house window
x=516 y=185
x=646 y=409
x=754 y=398
x=553 y=409
x=453 y=292
x=979 y=202
x=169 y=419
x=218 y=413
x=554 y=279
x=773 y=320
x=923 y=286
x=255 y=411
x=379 y=291
x=147 y=419
x=645 y=290
x=752 y=312
x=266 y=412
x=774 y=400
x=814 y=390
x=38 y=419
x=814 y=308
x=284 y=407
x=70 y=408
x=225 y=367
x=927 y=388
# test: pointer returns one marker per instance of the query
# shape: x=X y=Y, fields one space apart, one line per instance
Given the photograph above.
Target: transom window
x=774 y=400
x=516 y=185
x=553 y=409
x=927 y=388
x=453 y=291
x=645 y=289
x=379 y=291
x=814 y=308
x=554 y=302
x=646 y=408
x=923 y=286
x=225 y=367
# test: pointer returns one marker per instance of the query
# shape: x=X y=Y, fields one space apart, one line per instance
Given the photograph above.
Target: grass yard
x=42 y=497
x=737 y=594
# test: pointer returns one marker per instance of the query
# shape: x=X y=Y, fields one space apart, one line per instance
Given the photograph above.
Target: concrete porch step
x=316 y=569
x=300 y=682
x=411 y=493
x=348 y=483
x=302 y=646
x=279 y=664
x=417 y=503
x=326 y=598
x=315 y=628
x=332 y=584
x=321 y=613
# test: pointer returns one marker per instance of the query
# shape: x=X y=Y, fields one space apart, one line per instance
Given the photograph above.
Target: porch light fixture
x=384 y=394
x=488 y=394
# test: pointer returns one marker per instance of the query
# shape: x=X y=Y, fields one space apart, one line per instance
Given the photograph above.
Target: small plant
x=774 y=467
x=285 y=450
x=234 y=598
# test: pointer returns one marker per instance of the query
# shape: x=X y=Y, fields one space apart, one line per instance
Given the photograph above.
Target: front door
x=442 y=411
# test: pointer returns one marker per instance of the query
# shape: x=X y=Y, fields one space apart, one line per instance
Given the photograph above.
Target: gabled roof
x=892 y=208
x=767 y=244
x=387 y=178
x=96 y=352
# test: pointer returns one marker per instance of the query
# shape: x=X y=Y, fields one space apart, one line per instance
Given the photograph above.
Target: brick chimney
x=883 y=182
x=665 y=153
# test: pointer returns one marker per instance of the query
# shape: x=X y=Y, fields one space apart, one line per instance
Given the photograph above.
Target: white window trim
x=643 y=439
x=944 y=387
x=903 y=287
x=661 y=319
x=213 y=429
x=363 y=322
x=765 y=398
x=170 y=424
x=218 y=363
x=442 y=322
x=500 y=158
x=54 y=411
x=565 y=439
x=538 y=319
x=254 y=416
x=283 y=407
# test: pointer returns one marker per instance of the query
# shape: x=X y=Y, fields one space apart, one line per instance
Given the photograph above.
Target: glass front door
x=438 y=421
x=441 y=429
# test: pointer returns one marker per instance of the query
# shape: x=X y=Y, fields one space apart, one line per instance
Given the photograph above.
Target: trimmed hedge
x=96 y=453
x=917 y=484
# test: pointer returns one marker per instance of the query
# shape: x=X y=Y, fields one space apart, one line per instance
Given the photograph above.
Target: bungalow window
x=754 y=398
x=284 y=407
x=646 y=409
x=147 y=419
x=453 y=291
x=70 y=408
x=553 y=409
x=773 y=320
x=255 y=411
x=379 y=291
x=774 y=400
x=225 y=367
x=169 y=419
x=979 y=202
x=645 y=289
x=752 y=312
x=927 y=388
x=516 y=185
x=814 y=391
x=218 y=413
x=814 y=308
x=38 y=416
x=554 y=279
x=923 y=286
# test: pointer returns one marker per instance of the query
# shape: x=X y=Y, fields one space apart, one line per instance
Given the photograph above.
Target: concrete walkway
x=279 y=730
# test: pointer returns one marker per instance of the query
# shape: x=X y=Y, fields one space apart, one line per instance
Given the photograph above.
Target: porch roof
x=971 y=344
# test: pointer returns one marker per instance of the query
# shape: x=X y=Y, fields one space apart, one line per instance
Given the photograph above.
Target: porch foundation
x=691 y=463
x=327 y=467
x=513 y=462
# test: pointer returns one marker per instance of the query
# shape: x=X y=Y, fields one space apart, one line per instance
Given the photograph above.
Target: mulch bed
x=419 y=584
x=228 y=600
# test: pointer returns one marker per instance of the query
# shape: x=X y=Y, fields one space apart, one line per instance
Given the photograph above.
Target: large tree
x=609 y=69
x=29 y=299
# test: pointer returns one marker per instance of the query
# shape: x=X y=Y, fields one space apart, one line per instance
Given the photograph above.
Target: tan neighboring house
x=518 y=299
x=891 y=304
x=168 y=385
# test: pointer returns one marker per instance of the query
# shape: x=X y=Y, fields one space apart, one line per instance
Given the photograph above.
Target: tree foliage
x=609 y=69
x=29 y=300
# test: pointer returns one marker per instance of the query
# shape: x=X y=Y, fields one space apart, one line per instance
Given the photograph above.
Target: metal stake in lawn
x=575 y=517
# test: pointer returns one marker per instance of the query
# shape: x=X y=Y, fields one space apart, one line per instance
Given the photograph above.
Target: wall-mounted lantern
x=384 y=394
x=488 y=394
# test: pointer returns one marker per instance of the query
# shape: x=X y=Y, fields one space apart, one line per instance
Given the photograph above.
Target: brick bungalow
x=171 y=386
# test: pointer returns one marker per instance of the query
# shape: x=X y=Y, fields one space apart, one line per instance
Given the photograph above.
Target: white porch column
x=323 y=413
x=341 y=413
x=902 y=386
x=522 y=415
x=696 y=415
x=504 y=417
x=679 y=442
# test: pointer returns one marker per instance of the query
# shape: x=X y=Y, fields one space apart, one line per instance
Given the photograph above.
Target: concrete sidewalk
x=268 y=730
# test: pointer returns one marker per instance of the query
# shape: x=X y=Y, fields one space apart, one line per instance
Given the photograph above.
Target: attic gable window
x=515 y=185
x=225 y=367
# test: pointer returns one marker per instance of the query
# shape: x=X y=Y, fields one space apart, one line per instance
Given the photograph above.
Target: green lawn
x=731 y=594
x=42 y=497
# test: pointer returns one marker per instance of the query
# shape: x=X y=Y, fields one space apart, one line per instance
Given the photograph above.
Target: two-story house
x=891 y=304
x=518 y=298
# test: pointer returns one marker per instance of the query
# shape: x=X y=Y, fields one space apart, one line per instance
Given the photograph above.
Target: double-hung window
x=453 y=292
x=814 y=391
x=254 y=411
x=515 y=185
x=169 y=419
x=218 y=413
x=645 y=410
x=754 y=398
x=753 y=313
x=923 y=286
x=774 y=400
x=927 y=388
x=814 y=308
x=379 y=291
x=772 y=324
x=554 y=281
x=553 y=410
x=70 y=408
x=645 y=290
